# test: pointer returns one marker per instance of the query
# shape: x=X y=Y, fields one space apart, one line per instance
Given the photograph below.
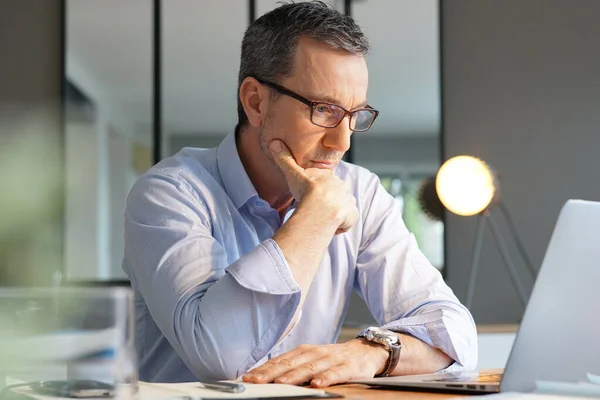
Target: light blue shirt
x=213 y=291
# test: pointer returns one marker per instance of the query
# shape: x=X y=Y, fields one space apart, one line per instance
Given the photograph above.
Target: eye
x=322 y=108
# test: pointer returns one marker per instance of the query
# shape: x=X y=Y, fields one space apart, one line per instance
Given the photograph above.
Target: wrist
x=376 y=354
x=321 y=217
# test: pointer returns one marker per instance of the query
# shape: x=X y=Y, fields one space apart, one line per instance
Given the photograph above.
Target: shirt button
x=260 y=203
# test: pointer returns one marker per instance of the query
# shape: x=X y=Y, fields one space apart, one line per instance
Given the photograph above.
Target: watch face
x=382 y=336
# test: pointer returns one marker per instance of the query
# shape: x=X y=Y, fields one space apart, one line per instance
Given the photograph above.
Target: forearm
x=442 y=325
x=303 y=240
x=417 y=357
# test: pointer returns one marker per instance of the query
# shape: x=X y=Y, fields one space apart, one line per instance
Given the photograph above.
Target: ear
x=253 y=97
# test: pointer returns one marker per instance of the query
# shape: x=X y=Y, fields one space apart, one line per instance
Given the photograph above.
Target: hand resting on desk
x=322 y=365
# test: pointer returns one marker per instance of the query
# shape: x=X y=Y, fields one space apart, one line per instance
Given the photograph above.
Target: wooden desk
x=365 y=392
x=356 y=392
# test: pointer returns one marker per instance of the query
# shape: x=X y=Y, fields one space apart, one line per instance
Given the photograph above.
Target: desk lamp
x=468 y=186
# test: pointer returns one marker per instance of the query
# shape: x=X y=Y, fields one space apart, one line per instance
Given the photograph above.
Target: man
x=244 y=257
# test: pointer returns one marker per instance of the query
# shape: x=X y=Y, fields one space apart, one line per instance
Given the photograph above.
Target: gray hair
x=270 y=42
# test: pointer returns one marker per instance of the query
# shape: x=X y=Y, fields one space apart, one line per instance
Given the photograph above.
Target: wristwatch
x=388 y=339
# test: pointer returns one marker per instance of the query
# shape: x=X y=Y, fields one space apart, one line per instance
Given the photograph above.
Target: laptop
x=559 y=336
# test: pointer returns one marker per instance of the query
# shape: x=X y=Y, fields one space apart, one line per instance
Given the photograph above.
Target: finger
x=285 y=160
x=273 y=369
x=339 y=374
x=307 y=371
x=278 y=366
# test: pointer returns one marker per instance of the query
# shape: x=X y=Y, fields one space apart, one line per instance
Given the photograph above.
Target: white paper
x=595 y=379
x=160 y=391
x=581 y=389
x=194 y=390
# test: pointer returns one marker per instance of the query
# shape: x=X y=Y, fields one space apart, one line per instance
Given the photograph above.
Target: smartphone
x=80 y=389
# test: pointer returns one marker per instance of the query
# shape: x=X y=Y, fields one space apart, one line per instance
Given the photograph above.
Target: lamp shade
x=429 y=200
x=466 y=185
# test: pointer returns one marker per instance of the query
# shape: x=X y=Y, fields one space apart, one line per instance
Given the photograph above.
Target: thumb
x=285 y=160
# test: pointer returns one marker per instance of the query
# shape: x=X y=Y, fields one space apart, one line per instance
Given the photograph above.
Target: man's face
x=320 y=74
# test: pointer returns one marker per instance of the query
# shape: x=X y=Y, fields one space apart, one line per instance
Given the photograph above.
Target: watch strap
x=392 y=360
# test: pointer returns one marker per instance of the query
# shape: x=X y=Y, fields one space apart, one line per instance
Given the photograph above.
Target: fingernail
x=317 y=382
x=275 y=146
x=283 y=379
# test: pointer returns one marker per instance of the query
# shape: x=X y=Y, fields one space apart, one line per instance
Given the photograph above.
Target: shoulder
x=189 y=165
x=191 y=172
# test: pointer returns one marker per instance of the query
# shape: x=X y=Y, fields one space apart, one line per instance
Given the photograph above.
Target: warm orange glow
x=465 y=185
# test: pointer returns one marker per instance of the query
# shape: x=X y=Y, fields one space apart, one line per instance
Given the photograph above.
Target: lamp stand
x=485 y=218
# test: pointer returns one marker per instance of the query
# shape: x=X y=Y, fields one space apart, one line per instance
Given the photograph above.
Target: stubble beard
x=264 y=145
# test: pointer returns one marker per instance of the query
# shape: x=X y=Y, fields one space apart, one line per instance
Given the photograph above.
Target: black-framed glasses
x=329 y=115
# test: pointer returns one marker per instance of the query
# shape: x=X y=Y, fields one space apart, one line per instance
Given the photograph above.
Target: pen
x=228 y=387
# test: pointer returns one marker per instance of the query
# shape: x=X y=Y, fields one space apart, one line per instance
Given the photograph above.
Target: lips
x=324 y=164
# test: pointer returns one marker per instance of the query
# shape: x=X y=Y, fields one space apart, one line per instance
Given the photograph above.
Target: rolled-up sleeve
x=403 y=291
x=220 y=317
x=277 y=279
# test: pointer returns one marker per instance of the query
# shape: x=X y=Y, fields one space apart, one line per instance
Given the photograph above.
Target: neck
x=266 y=178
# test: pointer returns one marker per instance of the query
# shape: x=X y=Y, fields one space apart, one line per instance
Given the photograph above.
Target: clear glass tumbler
x=71 y=342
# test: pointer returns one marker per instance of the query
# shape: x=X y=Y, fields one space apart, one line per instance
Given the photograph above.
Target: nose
x=338 y=138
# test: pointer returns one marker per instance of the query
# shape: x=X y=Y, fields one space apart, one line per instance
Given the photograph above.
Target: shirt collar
x=235 y=179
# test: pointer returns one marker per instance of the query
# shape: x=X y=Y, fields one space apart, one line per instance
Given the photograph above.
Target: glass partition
x=201 y=50
x=108 y=141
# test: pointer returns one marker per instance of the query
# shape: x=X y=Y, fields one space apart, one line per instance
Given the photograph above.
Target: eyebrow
x=328 y=99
